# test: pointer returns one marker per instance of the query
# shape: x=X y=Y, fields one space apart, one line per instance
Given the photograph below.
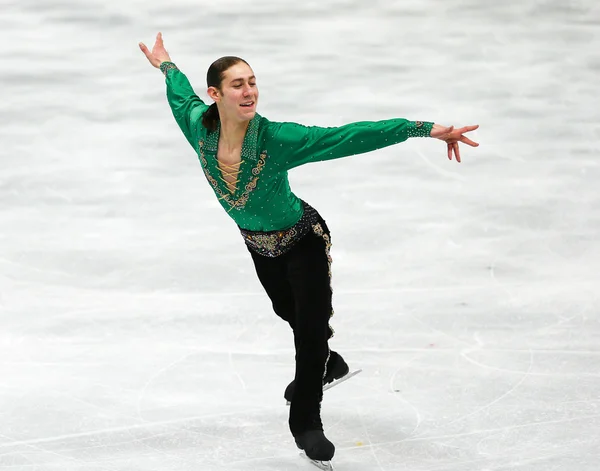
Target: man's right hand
x=159 y=54
x=452 y=137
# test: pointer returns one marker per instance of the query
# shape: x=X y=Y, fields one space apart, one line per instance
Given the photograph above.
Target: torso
x=263 y=200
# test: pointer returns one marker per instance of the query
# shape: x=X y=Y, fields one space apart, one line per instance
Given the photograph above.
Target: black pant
x=299 y=286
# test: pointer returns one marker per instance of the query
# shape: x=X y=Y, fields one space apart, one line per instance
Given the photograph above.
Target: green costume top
x=263 y=201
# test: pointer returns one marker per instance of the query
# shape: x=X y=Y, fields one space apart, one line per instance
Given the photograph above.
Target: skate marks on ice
x=471 y=380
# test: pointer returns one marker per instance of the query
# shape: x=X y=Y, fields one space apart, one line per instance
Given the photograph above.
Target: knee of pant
x=312 y=333
x=285 y=311
x=316 y=304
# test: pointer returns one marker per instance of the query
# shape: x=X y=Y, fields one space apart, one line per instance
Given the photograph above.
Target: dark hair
x=214 y=78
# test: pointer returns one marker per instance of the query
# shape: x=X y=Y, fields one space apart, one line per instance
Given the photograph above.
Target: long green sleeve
x=298 y=144
x=186 y=106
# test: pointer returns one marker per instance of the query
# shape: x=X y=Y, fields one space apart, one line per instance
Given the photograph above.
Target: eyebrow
x=241 y=79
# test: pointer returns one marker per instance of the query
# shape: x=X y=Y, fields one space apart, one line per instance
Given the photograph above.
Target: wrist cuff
x=166 y=66
x=419 y=128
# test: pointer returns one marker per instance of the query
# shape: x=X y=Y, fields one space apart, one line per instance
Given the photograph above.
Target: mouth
x=248 y=104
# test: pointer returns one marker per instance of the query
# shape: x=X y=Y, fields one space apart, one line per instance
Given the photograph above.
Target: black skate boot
x=315 y=444
x=307 y=430
x=336 y=368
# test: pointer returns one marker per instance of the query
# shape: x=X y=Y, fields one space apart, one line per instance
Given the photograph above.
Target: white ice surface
x=134 y=335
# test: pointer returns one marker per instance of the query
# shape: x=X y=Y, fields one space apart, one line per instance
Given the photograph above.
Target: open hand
x=452 y=137
x=159 y=54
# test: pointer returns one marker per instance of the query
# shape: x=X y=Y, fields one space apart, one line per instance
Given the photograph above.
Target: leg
x=271 y=273
x=309 y=276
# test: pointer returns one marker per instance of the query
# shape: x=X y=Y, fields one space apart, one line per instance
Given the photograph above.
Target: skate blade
x=335 y=382
x=324 y=465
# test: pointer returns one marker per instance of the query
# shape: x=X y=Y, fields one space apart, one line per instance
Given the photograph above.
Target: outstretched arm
x=297 y=144
x=186 y=106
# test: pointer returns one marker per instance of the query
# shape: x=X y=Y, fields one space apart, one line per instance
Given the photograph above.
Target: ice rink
x=134 y=334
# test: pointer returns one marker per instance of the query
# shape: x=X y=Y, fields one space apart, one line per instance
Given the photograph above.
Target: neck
x=233 y=133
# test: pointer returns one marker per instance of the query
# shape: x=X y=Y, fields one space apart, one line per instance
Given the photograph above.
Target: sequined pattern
x=276 y=243
x=419 y=129
x=166 y=66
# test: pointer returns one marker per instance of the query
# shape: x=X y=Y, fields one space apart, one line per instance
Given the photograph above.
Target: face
x=238 y=96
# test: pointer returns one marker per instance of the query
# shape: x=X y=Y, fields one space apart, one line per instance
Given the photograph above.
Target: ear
x=214 y=94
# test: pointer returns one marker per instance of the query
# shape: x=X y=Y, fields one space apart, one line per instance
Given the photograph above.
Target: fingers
x=468 y=141
x=456 y=137
x=155 y=62
x=456 y=151
x=453 y=149
x=455 y=132
x=465 y=129
x=145 y=50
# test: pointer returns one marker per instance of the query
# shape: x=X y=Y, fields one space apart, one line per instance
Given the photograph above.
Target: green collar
x=249 y=146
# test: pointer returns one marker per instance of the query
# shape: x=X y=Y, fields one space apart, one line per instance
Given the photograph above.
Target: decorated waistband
x=276 y=243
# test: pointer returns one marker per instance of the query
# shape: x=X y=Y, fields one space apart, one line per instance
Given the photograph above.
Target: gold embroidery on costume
x=240 y=202
x=277 y=243
x=272 y=243
x=318 y=229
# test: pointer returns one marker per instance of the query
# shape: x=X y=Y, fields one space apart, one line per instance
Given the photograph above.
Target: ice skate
x=316 y=448
x=337 y=371
x=324 y=465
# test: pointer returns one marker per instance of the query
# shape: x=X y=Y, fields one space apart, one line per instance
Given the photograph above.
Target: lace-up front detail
x=230 y=175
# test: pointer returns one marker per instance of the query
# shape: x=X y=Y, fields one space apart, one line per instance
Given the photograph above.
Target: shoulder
x=268 y=129
x=282 y=131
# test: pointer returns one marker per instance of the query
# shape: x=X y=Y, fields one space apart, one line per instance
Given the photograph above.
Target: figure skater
x=246 y=159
